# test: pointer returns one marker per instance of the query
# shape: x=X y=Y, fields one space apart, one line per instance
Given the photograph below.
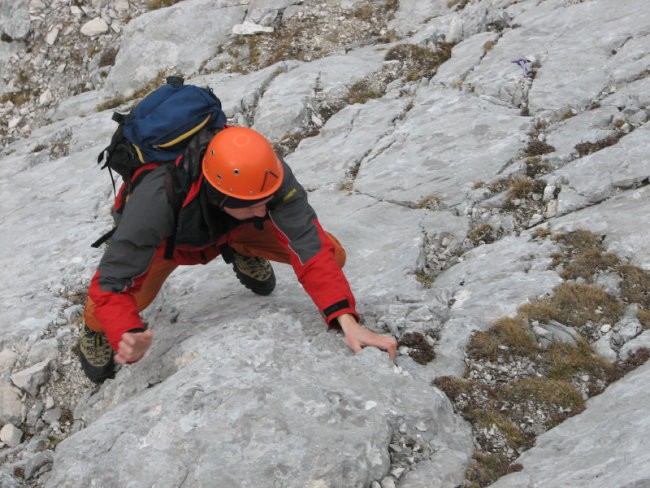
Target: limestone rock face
x=412 y=169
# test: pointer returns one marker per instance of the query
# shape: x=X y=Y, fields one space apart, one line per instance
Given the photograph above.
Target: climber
x=239 y=200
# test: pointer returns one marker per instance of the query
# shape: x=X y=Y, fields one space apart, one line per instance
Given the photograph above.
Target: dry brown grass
x=486 y=418
x=364 y=90
x=452 y=386
x=156 y=4
x=544 y=391
x=481 y=233
x=579 y=240
x=567 y=372
x=589 y=262
x=644 y=317
x=541 y=232
x=635 y=286
x=520 y=187
x=575 y=304
x=511 y=333
x=421 y=351
x=417 y=61
x=536 y=147
x=535 y=166
x=564 y=361
x=585 y=148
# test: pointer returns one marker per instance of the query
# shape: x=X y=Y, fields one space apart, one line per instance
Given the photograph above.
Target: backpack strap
x=176 y=197
x=104 y=238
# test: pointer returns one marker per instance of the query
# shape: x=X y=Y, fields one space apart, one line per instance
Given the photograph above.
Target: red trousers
x=245 y=240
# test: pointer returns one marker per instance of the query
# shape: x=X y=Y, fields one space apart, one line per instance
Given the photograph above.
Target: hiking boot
x=256 y=274
x=96 y=355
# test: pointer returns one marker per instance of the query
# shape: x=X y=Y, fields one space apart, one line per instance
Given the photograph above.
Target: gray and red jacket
x=148 y=220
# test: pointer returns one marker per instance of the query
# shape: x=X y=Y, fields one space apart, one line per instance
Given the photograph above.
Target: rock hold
x=94 y=27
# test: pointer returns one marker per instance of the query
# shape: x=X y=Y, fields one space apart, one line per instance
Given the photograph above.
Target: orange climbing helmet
x=241 y=164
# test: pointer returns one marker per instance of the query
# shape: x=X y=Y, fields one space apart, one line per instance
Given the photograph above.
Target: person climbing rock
x=229 y=194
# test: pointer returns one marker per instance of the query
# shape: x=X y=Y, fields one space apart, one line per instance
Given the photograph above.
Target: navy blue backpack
x=157 y=131
x=160 y=127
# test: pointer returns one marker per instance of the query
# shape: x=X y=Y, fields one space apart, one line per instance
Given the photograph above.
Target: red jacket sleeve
x=116 y=312
x=322 y=278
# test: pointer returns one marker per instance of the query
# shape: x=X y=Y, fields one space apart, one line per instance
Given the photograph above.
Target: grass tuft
x=575 y=304
x=511 y=334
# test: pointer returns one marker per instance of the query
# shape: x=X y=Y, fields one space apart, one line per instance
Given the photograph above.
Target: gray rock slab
x=620 y=220
x=412 y=14
x=630 y=97
x=559 y=36
x=46 y=350
x=79 y=105
x=247 y=416
x=383 y=242
x=490 y=283
x=590 y=126
x=180 y=37
x=14 y=19
x=31 y=379
x=590 y=449
x=264 y=12
x=7 y=360
x=642 y=341
x=614 y=168
x=286 y=106
x=471 y=141
x=11 y=435
x=328 y=158
x=12 y=410
x=239 y=94
x=464 y=57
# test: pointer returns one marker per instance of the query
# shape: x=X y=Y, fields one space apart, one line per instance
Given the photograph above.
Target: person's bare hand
x=357 y=337
x=133 y=346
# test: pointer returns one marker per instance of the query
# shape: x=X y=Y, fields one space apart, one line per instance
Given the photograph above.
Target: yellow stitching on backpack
x=185 y=135
x=137 y=150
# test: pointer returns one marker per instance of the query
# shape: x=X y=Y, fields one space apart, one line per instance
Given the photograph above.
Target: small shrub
x=564 y=361
x=419 y=62
x=644 y=317
x=499 y=185
x=536 y=166
x=458 y=4
x=452 y=387
x=509 y=332
x=421 y=351
x=364 y=12
x=424 y=278
x=431 y=202
x=541 y=232
x=156 y=4
x=481 y=233
x=362 y=91
x=536 y=147
x=486 y=469
x=589 y=262
x=487 y=47
x=585 y=148
x=520 y=188
x=108 y=57
x=635 y=285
